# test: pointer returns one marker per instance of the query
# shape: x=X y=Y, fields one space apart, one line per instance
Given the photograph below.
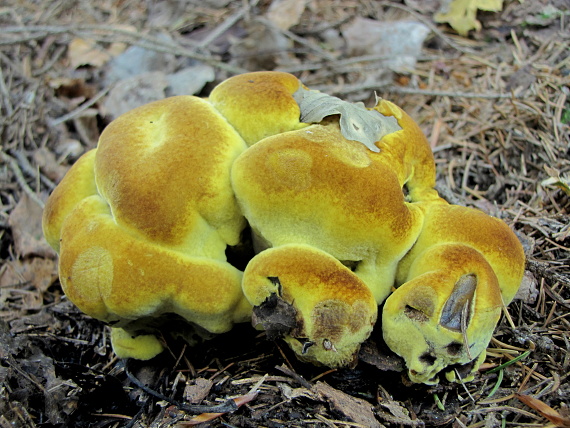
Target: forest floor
x=494 y=104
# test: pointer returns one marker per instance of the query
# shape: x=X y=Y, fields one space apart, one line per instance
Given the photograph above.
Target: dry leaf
x=398 y=414
x=134 y=92
x=556 y=180
x=196 y=392
x=38 y=272
x=355 y=409
x=73 y=89
x=285 y=14
x=291 y=393
x=545 y=410
x=397 y=410
x=397 y=43
x=356 y=122
x=88 y=52
x=137 y=60
x=528 y=290
x=25 y=220
x=69 y=148
x=47 y=162
x=462 y=14
x=190 y=81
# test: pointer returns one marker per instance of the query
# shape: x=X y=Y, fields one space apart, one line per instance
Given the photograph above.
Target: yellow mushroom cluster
x=144 y=224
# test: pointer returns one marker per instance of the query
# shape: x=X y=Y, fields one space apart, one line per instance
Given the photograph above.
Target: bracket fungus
x=343 y=216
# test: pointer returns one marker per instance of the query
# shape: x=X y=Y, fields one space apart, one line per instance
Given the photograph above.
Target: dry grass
x=495 y=108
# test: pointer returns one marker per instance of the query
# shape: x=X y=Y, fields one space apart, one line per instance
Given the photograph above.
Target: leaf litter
x=356 y=122
x=494 y=105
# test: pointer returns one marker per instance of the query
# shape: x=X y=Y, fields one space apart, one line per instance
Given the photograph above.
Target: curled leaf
x=453 y=315
x=556 y=180
x=356 y=122
x=545 y=410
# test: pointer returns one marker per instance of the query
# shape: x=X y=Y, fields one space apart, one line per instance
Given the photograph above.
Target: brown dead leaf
x=545 y=410
x=41 y=273
x=397 y=414
x=25 y=221
x=37 y=272
x=87 y=52
x=356 y=409
x=40 y=320
x=285 y=14
x=72 y=88
x=556 y=180
x=291 y=393
x=528 y=290
x=197 y=391
x=47 y=162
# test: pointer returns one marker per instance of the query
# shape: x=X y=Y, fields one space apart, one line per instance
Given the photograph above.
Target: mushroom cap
x=116 y=276
x=259 y=104
x=490 y=236
x=143 y=221
x=451 y=298
x=141 y=347
x=78 y=184
x=164 y=168
x=325 y=311
x=315 y=187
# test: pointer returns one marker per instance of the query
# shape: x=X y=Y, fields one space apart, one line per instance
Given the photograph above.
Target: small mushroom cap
x=452 y=298
x=141 y=347
x=259 y=104
x=331 y=310
x=315 y=187
x=490 y=236
x=164 y=168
